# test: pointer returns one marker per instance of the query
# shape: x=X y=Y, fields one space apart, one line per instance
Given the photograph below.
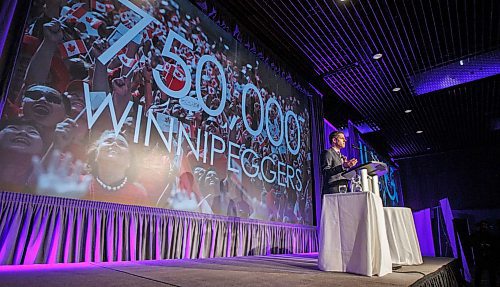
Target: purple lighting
x=6 y=13
x=328 y=128
x=423 y=227
x=448 y=221
x=365 y=128
x=42 y=267
x=457 y=73
x=7 y=10
x=39 y=229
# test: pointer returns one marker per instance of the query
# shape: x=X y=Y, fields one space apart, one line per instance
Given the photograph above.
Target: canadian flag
x=102 y=7
x=189 y=58
x=148 y=33
x=76 y=12
x=126 y=61
x=72 y=48
x=126 y=18
x=160 y=30
x=174 y=77
x=90 y=21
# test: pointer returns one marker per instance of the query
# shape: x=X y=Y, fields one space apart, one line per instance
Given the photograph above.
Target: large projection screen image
x=150 y=103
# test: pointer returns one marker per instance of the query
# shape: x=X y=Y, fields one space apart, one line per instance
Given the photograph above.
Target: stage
x=274 y=270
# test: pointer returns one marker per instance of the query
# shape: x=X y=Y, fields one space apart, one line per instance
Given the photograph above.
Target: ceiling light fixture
x=419 y=132
x=407 y=111
x=377 y=56
x=461 y=62
x=396 y=89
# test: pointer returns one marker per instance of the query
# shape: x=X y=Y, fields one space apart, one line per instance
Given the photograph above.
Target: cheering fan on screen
x=20 y=140
x=110 y=162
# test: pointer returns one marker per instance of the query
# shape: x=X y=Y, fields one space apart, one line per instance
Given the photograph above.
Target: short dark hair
x=333 y=135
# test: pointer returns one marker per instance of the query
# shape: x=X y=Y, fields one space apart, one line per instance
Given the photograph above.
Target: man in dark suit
x=333 y=163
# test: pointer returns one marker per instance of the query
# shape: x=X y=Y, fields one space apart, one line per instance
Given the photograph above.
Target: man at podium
x=333 y=163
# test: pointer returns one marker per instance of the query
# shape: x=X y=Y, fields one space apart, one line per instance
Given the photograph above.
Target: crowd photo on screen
x=172 y=114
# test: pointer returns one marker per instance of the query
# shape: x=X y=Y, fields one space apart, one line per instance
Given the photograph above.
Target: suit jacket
x=331 y=166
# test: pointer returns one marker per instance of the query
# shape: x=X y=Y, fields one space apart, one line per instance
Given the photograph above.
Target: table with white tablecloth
x=402 y=236
x=353 y=236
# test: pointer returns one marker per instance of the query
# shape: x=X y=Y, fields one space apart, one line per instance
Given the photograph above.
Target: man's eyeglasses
x=49 y=97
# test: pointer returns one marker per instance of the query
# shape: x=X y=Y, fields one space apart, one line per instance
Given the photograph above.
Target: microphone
x=355 y=147
x=344 y=158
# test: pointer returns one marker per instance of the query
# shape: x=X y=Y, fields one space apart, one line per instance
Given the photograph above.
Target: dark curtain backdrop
x=470 y=179
x=317 y=136
x=13 y=15
x=329 y=128
x=7 y=9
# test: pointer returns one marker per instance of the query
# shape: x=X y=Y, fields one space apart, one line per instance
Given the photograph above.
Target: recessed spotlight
x=377 y=56
x=407 y=111
x=396 y=89
x=419 y=132
x=461 y=62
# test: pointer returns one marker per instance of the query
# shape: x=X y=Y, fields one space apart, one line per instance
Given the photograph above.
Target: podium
x=358 y=235
x=368 y=174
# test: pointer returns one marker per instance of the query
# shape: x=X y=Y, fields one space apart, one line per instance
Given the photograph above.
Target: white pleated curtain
x=39 y=229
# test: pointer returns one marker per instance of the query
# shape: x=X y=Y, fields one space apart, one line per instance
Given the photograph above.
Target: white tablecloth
x=402 y=236
x=352 y=235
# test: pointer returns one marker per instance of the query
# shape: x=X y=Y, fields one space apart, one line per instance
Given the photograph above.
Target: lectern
x=366 y=176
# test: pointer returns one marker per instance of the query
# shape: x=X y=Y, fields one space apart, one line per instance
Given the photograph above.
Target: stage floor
x=275 y=270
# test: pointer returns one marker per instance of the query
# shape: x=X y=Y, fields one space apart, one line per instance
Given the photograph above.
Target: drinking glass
x=342 y=188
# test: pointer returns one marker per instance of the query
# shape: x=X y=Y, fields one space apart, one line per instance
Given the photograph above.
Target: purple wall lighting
x=6 y=13
x=467 y=274
x=423 y=227
x=7 y=10
x=365 y=128
x=450 y=230
x=448 y=221
x=329 y=128
x=457 y=73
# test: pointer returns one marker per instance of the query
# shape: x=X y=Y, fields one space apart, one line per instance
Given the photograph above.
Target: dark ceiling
x=331 y=43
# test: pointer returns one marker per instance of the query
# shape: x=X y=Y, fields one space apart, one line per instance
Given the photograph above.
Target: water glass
x=342 y=188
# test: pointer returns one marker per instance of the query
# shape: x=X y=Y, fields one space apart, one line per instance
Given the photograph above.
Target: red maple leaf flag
x=76 y=12
x=175 y=78
x=126 y=61
x=103 y=6
x=90 y=21
x=126 y=17
x=72 y=48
